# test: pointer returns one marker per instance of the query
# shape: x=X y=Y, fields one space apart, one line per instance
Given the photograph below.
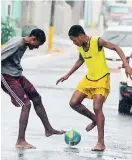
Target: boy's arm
x=78 y=63
x=119 y=51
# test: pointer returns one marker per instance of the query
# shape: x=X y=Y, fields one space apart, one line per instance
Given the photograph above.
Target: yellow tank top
x=95 y=60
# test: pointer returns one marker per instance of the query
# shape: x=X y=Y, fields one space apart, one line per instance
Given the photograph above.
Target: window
x=119 y=9
x=9 y=9
x=121 y=38
x=127 y=22
x=121 y=1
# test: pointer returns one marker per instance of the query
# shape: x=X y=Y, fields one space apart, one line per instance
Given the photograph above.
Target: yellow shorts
x=90 y=88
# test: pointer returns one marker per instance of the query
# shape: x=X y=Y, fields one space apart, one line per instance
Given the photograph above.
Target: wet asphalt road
x=43 y=73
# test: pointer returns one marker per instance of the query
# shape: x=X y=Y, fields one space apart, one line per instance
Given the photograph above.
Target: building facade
x=13 y=10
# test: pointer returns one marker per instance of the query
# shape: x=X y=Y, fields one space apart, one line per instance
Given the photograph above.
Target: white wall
x=39 y=15
x=62 y=19
x=96 y=10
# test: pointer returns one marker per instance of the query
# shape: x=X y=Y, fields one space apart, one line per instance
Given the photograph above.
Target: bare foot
x=90 y=126
x=52 y=132
x=24 y=145
x=99 y=147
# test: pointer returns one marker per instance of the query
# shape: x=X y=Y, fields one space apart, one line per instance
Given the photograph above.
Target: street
x=43 y=73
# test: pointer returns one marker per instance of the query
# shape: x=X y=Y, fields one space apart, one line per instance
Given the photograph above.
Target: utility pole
x=51 y=28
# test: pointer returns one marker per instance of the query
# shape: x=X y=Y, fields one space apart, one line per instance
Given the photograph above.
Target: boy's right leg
x=18 y=97
x=23 y=121
x=76 y=104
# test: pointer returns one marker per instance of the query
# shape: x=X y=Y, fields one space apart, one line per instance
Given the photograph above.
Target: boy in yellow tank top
x=96 y=84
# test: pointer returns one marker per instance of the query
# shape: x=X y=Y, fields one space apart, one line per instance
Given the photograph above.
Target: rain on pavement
x=118 y=128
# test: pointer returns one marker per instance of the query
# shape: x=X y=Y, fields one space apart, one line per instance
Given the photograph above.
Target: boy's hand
x=62 y=79
x=128 y=70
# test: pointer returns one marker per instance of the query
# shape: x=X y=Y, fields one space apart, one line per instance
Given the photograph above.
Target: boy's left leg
x=39 y=108
x=100 y=119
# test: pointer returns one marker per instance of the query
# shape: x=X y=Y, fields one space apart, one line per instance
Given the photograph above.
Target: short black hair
x=39 y=34
x=76 y=30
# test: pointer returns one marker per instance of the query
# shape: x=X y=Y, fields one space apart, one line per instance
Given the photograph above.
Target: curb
x=51 y=53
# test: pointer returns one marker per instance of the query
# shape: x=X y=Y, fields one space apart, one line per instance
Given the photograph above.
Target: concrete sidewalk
x=59 y=43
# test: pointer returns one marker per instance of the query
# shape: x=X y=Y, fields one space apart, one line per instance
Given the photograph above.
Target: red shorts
x=20 y=89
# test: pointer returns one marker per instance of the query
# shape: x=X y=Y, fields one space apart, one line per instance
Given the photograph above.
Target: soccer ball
x=72 y=137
